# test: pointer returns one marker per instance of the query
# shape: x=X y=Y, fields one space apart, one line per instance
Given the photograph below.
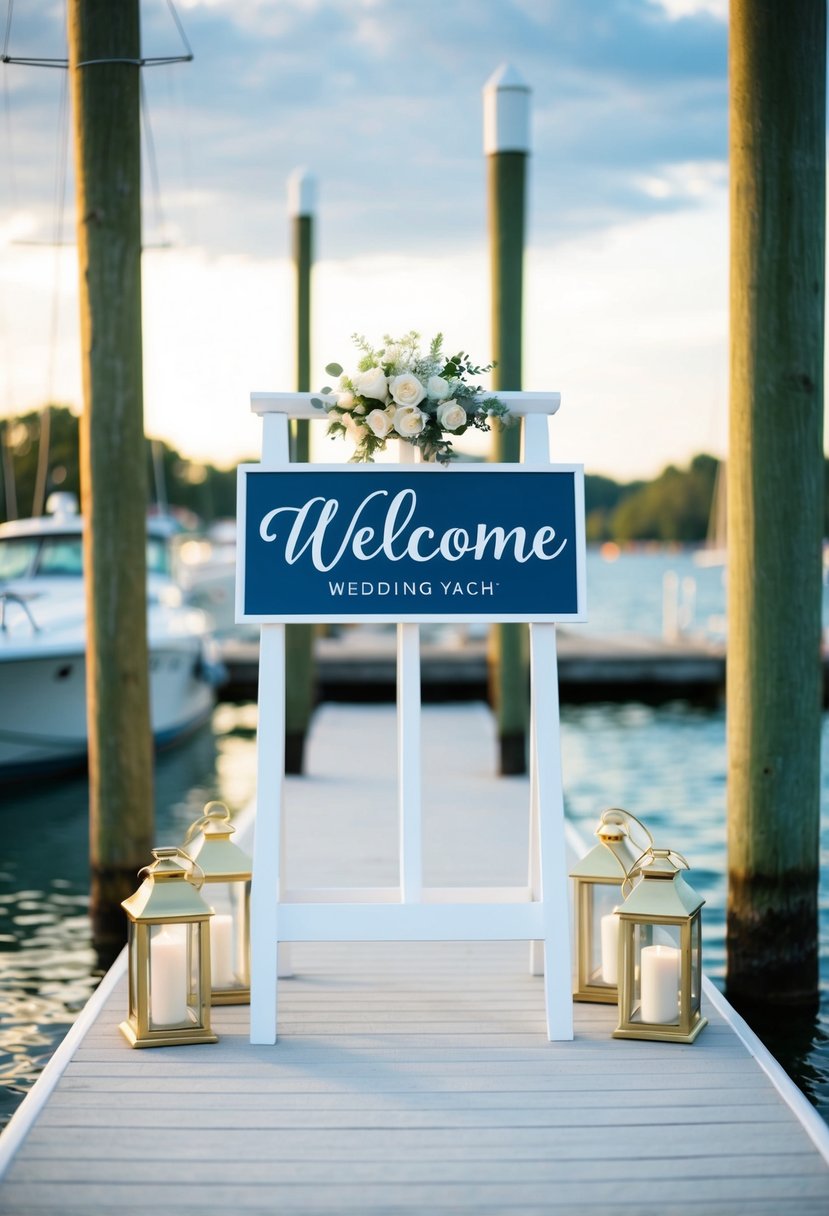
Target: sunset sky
x=626 y=266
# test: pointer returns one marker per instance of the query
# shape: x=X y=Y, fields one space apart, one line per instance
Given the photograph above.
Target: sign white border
x=420 y=618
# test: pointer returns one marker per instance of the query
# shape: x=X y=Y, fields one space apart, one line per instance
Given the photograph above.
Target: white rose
x=451 y=415
x=373 y=384
x=345 y=400
x=438 y=388
x=409 y=421
x=407 y=390
x=354 y=426
x=379 y=423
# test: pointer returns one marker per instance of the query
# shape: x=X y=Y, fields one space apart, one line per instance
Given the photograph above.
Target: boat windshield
x=62 y=556
x=17 y=556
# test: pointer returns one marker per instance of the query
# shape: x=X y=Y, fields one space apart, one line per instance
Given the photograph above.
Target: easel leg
x=264 y=900
x=284 y=962
x=534 y=877
x=546 y=751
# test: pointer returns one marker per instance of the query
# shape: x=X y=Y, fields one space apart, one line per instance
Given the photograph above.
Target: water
x=667 y=765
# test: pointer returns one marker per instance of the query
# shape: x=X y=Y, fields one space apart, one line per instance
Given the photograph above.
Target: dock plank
x=413 y=1078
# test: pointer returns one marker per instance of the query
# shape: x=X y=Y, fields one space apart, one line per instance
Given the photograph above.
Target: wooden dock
x=359 y=665
x=413 y=1078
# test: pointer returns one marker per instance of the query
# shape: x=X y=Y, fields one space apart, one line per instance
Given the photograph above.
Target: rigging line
x=150 y=62
x=153 y=62
x=180 y=127
x=180 y=29
x=9 y=10
x=11 y=177
x=62 y=157
x=6 y=457
x=152 y=163
x=35 y=63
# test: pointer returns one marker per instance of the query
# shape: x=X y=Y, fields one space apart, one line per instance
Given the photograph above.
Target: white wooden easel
x=538 y=913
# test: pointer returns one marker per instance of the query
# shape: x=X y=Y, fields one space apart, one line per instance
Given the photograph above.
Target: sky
x=626 y=263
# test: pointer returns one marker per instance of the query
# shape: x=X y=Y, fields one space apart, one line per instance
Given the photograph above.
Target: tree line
x=673 y=507
x=198 y=491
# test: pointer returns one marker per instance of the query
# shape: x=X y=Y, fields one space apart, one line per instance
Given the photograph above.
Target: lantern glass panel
x=223 y=933
x=240 y=910
x=657 y=973
x=229 y=934
x=696 y=963
x=132 y=955
x=169 y=975
x=604 y=934
x=194 y=992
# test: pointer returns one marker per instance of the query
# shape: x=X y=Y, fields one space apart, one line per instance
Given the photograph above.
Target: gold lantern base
x=230 y=996
x=661 y=1034
x=168 y=1038
x=596 y=995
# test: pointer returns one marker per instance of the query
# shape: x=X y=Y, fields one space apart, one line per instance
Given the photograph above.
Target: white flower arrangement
x=400 y=393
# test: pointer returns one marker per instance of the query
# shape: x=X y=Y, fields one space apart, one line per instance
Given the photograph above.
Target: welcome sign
x=410 y=543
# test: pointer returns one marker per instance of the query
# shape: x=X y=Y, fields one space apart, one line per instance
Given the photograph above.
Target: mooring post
x=506 y=146
x=775 y=496
x=104 y=47
x=300 y=638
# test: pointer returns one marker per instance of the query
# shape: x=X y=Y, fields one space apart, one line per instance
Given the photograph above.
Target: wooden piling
x=299 y=678
x=104 y=46
x=775 y=496
x=506 y=144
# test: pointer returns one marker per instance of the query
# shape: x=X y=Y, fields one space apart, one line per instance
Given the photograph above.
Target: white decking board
x=417 y=1077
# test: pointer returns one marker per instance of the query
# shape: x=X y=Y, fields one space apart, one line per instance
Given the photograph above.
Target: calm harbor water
x=665 y=764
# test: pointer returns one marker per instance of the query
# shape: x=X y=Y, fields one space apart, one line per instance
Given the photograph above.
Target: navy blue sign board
x=419 y=543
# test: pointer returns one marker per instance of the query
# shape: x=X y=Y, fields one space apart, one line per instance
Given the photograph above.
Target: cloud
x=383 y=101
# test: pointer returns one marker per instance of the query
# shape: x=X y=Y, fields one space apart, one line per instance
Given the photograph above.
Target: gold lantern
x=598 y=879
x=227 y=875
x=169 y=956
x=660 y=959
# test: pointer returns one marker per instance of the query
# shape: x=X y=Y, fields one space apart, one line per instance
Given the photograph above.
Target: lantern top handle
x=657 y=864
x=173 y=862
x=214 y=821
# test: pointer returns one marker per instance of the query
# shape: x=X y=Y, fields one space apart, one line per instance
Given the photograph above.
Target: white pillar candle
x=168 y=979
x=221 y=951
x=610 y=948
x=660 y=984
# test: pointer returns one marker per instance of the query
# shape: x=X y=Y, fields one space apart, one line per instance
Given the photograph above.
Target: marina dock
x=412 y=1078
x=360 y=666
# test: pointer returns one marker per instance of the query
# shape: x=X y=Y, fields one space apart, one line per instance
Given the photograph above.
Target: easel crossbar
x=393 y=895
x=349 y=922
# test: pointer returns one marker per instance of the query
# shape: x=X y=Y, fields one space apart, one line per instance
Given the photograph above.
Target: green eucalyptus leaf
x=333 y=369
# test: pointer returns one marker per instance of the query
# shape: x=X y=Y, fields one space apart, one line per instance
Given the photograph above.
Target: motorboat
x=43 y=645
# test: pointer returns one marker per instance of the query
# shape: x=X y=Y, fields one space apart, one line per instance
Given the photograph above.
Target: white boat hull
x=43 y=640
x=43 y=707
